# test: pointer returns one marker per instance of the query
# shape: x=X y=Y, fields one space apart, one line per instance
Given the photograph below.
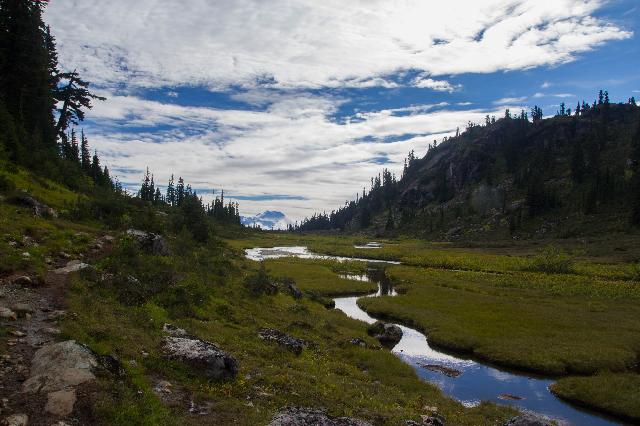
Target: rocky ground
x=43 y=380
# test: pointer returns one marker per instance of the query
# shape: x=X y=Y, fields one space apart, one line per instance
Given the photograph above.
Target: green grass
x=321 y=277
x=345 y=379
x=547 y=323
x=596 y=392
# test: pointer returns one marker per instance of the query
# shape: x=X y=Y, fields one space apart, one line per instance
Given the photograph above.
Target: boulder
x=60 y=403
x=22 y=309
x=60 y=366
x=387 y=334
x=203 y=356
x=285 y=340
x=17 y=420
x=528 y=419
x=155 y=243
x=39 y=209
x=24 y=281
x=72 y=266
x=296 y=416
x=6 y=313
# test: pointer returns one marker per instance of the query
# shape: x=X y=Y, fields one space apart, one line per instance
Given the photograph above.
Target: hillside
x=511 y=177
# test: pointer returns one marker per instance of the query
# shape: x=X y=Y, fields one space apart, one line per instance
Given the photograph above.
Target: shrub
x=552 y=260
x=635 y=271
x=137 y=277
x=260 y=283
x=6 y=185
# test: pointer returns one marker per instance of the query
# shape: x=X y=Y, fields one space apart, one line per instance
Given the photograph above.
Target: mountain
x=269 y=219
x=568 y=175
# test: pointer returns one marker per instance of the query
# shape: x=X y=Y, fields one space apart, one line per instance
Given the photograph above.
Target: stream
x=462 y=378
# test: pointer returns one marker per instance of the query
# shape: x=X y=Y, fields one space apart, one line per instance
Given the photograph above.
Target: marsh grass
x=534 y=321
x=596 y=392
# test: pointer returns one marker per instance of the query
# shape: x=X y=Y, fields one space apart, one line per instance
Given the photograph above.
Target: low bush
x=552 y=260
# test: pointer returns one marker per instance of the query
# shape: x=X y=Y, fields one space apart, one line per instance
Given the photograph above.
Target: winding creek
x=476 y=381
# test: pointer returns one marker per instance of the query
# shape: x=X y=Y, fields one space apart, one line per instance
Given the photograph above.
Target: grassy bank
x=596 y=392
x=322 y=277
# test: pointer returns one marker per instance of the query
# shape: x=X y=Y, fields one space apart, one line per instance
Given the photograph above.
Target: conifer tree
x=171 y=195
x=85 y=155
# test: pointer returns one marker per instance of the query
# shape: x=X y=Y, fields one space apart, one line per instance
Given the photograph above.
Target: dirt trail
x=38 y=308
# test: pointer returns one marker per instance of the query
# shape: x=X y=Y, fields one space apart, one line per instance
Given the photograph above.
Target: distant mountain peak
x=269 y=219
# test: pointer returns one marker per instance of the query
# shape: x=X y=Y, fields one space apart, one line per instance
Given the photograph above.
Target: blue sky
x=293 y=105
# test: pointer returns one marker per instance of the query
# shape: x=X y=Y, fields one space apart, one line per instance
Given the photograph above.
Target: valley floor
x=565 y=309
x=576 y=319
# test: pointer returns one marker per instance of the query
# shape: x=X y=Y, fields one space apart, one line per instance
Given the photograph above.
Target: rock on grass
x=296 y=416
x=203 y=356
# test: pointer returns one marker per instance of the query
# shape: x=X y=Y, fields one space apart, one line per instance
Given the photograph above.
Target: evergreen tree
x=75 y=97
x=180 y=192
x=85 y=155
x=171 y=193
x=96 y=171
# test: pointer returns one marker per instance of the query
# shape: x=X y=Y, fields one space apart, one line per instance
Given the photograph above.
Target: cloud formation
x=291 y=142
x=310 y=44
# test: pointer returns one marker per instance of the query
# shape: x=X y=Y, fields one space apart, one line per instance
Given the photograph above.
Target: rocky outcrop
x=72 y=266
x=285 y=340
x=527 y=419
x=290 y=287
x=155 y=243
x=296 y=416
x=56 y=370
x=39 y=209
x=59 y=366
x=202 y=356
x=387 y=334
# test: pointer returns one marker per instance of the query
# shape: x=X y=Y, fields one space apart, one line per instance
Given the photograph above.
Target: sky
x=293 y=105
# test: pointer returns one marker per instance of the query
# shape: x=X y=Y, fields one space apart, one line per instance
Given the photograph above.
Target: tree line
x=40 y=104
x=591 y=172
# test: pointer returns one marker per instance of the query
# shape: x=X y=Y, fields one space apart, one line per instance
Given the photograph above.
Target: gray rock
x=528 y=419
x=72 y=266
x=156 y=244
x=17 y=420
x=387 y=334
x=203 y=356
x=6 y=313
x=297 y=416
x=59 y=366
x=39 y=209
x=291 y=343
x=60 y=403
x=23 y=281
x=22 y=309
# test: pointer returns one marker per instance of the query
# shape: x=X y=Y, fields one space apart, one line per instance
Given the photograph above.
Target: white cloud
x=437 y=85
x=506 y=101
x=545 y=85
x=553 y=95
x=309 y=44
x=293 y=147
